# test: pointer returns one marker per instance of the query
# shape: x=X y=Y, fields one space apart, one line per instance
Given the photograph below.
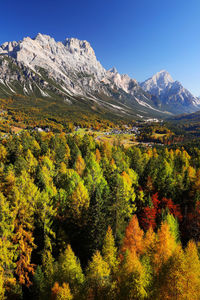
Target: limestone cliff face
x=67 y=61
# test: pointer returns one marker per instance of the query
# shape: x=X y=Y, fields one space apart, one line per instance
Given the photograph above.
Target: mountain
x=68 y=74
x=174 y=97
x=71 y=62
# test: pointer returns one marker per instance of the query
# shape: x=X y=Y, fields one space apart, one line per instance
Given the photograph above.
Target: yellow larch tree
x=61 y=292
x=109 y=250
x=79 y=200
x=164 y=247
x=98 y=277
x=192 y=272
x=133 y=279
x=69 y=270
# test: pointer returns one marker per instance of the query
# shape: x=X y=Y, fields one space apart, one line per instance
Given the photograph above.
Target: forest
x=84 y=219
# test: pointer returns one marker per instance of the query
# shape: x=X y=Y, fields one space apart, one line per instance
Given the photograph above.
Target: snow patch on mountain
x=10 y=88
x=145 y=104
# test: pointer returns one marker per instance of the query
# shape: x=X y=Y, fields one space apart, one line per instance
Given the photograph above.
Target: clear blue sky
x=138 y=37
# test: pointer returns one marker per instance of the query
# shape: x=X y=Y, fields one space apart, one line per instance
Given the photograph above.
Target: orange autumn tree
x=133 y=240
x=54 y=291
x=26 y=245
x=79 y=165
x=98 y=155
x=149 y=242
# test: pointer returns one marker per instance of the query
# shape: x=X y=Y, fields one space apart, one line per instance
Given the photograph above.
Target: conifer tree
x=170 y=284
x=192 y=272
x=3 y=153
x=98 y=276
x=124 y=202
x=64 y=293
x=40 y=291
x=133 y=240
x=69 y=270
x=61 y=292
x=32 y=162
x=98 y=155
x=133 y=279
x=45 y=213
x=2 y=288
x=7 y=249
x=109 y=250
x=79 y=200
x=93 y=170
x=24 y=197
x=173 y=226
x=149 y=242
x=164 y=247
x=9 y=181
x=98 y=216
x=47 y=275
x=79 y=165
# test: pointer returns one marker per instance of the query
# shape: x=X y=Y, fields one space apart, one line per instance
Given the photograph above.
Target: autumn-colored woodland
x=80 y=219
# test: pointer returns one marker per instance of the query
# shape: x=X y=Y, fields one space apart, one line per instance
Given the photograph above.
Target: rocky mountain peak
x=121 y=81
x=170 y=92
x=42 y=37
x=113 y=70
x=59 y=59
x=163 y=74
x=161 y=80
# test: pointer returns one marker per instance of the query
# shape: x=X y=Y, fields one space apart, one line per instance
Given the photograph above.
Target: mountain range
x=69 y=75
